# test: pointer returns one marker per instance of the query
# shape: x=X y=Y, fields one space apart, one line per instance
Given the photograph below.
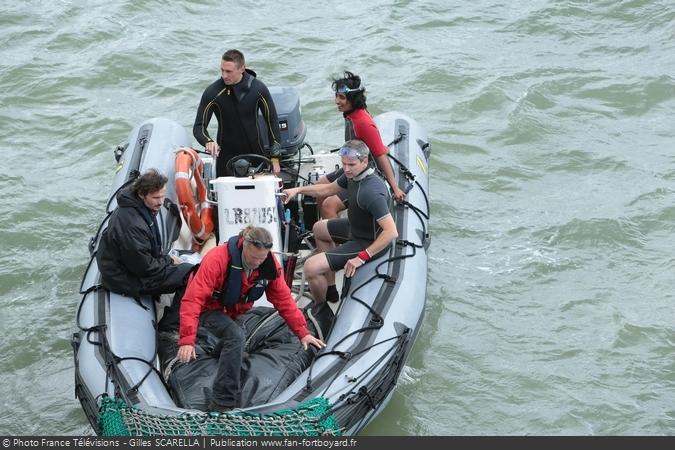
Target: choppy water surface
x=550 y=293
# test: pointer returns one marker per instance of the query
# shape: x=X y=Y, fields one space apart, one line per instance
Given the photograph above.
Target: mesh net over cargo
x=311 y=418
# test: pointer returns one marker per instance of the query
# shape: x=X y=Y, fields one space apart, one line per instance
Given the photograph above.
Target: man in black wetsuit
x=368 y=231
x=247 y=118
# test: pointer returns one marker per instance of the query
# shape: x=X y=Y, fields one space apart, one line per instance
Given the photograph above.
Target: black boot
x=332 y=294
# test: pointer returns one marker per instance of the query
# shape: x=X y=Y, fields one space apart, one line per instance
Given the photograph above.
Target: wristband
x=364 y=255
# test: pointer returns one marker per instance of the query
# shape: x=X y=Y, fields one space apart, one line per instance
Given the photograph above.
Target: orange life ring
x=189 y=165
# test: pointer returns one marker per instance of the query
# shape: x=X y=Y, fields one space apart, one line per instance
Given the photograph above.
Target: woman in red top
x=350 y=99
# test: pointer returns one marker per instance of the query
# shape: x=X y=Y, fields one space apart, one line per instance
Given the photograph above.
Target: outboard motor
x=292 y=127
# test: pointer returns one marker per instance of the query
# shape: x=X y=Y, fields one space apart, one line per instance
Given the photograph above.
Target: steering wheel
x=265 y=163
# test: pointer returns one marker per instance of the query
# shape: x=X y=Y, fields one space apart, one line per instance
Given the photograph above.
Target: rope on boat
x=311 y=418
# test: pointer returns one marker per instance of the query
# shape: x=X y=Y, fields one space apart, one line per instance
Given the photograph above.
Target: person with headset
x=350 y=99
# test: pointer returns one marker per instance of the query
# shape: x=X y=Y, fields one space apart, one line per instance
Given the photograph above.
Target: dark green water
x=550 y=307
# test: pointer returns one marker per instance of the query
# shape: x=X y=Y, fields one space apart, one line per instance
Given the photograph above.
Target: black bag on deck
x=273 y=359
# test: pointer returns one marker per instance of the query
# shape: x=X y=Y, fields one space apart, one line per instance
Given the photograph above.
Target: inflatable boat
x=127 y=378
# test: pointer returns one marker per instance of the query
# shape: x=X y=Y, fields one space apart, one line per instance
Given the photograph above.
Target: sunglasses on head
x=259 y=244
x=344 y=89
x=353 y=153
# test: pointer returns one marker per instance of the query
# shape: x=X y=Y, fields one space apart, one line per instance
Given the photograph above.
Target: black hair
x=352 y=81
x=148 y=183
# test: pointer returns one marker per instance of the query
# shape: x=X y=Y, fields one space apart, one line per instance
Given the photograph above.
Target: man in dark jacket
x=247 y=118
x=129 y=254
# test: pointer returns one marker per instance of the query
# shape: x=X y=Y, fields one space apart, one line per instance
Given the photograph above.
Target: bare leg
x=324 y=242
x=316 y=272
x=330 y=207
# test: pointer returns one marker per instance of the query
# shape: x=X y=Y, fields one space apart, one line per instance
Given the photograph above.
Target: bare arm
x=384 y=165
x=388 y=234
x=320 y=190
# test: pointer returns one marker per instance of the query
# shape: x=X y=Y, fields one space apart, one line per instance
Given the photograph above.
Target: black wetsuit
x=247 y=118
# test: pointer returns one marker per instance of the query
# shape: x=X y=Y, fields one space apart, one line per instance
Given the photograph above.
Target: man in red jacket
x=230 y=278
